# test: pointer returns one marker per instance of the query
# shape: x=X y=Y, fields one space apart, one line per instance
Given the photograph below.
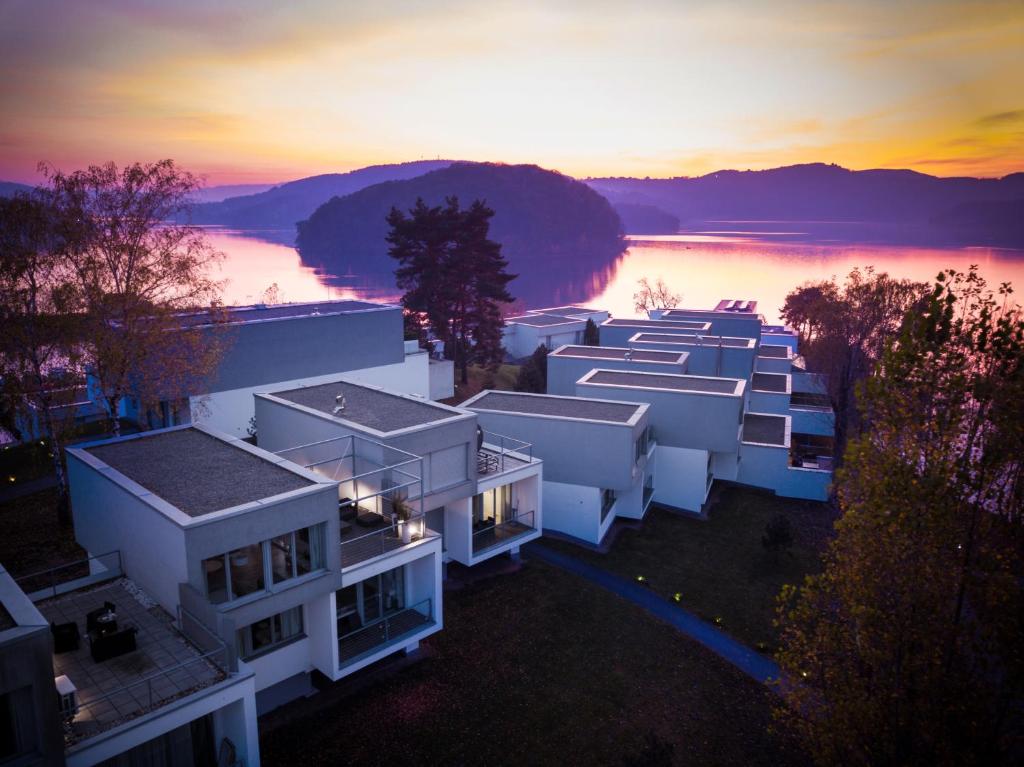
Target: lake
x=701 y=267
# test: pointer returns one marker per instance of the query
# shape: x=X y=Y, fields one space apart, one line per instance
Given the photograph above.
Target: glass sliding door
x=493 y=505
x=367 y=601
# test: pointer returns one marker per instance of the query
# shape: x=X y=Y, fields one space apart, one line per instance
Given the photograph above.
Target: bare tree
x=656 y=296
x=38 y=353
x=135 y=270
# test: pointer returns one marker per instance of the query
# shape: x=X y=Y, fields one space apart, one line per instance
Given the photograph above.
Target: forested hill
x=542 y=218
x=826 y=193
x=282 y=206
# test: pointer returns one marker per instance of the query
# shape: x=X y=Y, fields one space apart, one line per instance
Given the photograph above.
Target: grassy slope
x=718 y=565
x=31 y=538
x=539 y=667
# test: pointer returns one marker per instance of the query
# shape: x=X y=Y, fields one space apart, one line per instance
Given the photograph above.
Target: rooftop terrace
x=261 y=312
x=765 y=429
x=580 y=408
x=693 y=340
x=618 y=353
x=543 y=320
x=675 y=382
x=164 y=665
x=373 y=408
x=196 y=472
x=778 y=352
x=771 y=382
x=680 y=324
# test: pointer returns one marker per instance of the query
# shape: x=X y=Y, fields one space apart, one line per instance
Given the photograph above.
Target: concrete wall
x=231 y=411
x=265 y=351
x=808 y=421
x=781 y=339
x=768 y=402
x=722 y=323
x=768 y=467
x=575 y=510
x=564 y=372
x=681 y=481
x=120 y=515
x=441 y=376
x=619 y=335
x=696 y=420
x=709 y=359
x=774 y=365
x=593 y=453
x=522 y=340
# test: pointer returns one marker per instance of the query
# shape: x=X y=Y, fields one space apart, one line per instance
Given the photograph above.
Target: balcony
x=378 y=486
x=390 y=630
x=163 y=661
x=809 y=451
x=376 y=538
x=498 y=454
x=487 y=535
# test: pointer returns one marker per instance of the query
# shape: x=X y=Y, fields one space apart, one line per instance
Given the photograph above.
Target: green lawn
x=31 y=539
x=718 y=566
x=504 y=378
x=539 y=667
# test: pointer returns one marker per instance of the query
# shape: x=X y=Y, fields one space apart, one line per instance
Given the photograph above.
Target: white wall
x=807 y=421
x=231 y=411
x=682 y=477
x=773 y=365
x=285 y=662
x=768 y=402
x=322 y=629
x=108 y=517
x=768 y=467
x=575 y=510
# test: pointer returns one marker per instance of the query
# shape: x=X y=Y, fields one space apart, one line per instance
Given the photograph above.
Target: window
x=370 y=600
x=247 y=575
x=266 y=634
x=641 y=443
x=247 y=570
x=494 y=505
x=607 y=501
x=17 y=727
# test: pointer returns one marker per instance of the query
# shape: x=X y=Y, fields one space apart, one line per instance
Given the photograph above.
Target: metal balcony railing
x=357 y=547
x=384 y=631
x=500 y=453
x=487 y=536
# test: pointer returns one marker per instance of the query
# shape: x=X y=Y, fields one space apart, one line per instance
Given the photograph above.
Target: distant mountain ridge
x=823 y=193
x=284 y=205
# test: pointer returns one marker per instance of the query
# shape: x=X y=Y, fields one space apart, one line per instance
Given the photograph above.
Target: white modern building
x=302 y=344
x=480 y=490
x=695 y=422
x=567 y=364
x=552 y=327
x=254 y=547
x=597 y=456
x=617 y=331
x=92 y=672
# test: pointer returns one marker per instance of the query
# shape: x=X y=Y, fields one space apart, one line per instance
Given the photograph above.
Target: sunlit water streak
x=702 y=268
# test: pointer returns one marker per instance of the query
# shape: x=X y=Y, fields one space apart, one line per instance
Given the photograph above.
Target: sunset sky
x=267 y=91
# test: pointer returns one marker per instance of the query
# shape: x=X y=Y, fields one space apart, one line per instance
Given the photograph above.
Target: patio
x=164 y=665
x=374 y=636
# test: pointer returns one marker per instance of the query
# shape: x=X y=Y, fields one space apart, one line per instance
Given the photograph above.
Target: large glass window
x=247 y=570
x=493 y=506
x=607 y=501
x=370 y=600
x=247 y=576
x=264 y=635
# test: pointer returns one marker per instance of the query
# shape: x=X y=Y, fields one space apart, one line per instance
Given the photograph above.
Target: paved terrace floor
x=110 y=692
x=359 y=543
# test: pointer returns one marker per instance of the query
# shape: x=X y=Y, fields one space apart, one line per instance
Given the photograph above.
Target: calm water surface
x=703 y=268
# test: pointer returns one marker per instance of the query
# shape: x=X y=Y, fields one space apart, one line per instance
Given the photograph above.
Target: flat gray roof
x=563 y=407
x=773 y=382
x=617 y=353
x=373 y=408
x=681 y=324
x=197 y=472
x=677 y=382
x=780 y=352
x=694 y=340
x=259 y=312
x=765 y=429
x=563 y=310
x=543 y=320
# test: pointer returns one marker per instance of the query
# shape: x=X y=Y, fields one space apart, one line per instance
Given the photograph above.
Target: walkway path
x=742 y=657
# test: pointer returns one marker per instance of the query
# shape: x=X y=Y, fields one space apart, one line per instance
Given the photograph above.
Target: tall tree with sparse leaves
x=454 y=277
x=134 y=271
x=906 y=649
